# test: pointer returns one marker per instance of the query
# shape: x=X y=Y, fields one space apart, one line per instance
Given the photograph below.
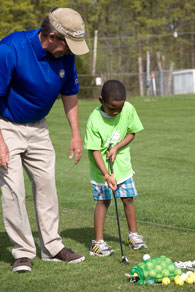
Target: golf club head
x=124 y=260
x=132 y=278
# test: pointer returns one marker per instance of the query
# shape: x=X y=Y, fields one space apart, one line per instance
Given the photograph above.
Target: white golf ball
x=146 y=257
x=183 y=276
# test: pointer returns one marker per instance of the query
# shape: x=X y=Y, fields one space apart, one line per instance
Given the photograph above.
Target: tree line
x=125 y=31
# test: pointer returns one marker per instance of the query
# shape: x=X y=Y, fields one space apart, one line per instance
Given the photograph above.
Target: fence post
x=154 y=83
x=94 y=53
x=148 y=73
x=141 y=87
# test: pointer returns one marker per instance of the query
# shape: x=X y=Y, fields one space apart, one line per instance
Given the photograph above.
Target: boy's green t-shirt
x=102 y=131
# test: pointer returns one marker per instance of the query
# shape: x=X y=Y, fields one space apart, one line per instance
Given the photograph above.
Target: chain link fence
x=159 y=83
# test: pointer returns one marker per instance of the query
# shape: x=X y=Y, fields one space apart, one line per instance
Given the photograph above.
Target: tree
x=16 y=15
x=126 y=30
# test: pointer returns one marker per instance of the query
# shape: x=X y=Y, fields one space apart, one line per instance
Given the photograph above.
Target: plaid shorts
x=124 y=190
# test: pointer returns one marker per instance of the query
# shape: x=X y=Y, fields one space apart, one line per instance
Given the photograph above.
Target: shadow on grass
x=82 y=235
x=5 y=254
x=85 y=235
x=5 y=245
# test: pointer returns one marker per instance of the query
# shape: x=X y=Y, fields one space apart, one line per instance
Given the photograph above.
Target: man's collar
x=36 y=44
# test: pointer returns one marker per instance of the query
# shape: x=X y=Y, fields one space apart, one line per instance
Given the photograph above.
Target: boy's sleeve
x=135 y=125
x=92 y=137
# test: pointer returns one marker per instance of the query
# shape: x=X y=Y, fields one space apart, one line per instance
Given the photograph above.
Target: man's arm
x=4 y=152
x=71 y=109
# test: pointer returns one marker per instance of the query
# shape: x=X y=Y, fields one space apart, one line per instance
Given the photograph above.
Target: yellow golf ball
x=178 y=280
x=190 y=278
x=166 y=281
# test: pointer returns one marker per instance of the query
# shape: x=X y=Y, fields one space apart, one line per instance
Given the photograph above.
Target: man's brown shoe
x=67 y=255
x=22 y=265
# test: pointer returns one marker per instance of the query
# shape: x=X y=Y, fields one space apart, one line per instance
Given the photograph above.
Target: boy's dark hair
x=113 y=90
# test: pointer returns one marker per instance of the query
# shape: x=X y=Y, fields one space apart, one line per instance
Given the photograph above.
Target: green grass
x=164 y=162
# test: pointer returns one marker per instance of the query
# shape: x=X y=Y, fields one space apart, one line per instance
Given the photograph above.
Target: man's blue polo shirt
x=31 y=79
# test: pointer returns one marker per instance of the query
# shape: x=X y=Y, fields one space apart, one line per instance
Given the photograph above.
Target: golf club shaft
x=116 y=207
x=119 y=231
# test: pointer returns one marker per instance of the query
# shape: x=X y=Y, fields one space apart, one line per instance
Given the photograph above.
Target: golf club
x=124 y=260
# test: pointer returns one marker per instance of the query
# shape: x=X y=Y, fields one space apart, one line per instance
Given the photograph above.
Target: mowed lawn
x=164 y=163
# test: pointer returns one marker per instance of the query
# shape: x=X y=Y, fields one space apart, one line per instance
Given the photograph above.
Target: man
x=37 y=66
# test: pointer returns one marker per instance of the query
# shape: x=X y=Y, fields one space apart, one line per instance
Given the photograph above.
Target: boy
x=114 y=123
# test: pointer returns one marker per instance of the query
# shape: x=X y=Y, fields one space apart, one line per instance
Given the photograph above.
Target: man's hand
x=71 y=109
x=76 y=148
x=4 y=155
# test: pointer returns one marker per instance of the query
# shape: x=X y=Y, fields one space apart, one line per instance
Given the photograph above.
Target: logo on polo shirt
x=62 y=73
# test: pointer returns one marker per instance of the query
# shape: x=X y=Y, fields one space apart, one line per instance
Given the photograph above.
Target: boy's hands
x=112 y=153
x=112 y=183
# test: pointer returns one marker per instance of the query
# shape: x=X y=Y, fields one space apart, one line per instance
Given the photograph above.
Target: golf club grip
x=111 y=166
x=110 y=161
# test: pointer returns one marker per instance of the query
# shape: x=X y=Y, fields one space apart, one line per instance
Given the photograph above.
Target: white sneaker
x=136 y=241
x=100 y=248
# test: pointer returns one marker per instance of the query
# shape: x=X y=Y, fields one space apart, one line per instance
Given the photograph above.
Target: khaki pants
x=30 y=147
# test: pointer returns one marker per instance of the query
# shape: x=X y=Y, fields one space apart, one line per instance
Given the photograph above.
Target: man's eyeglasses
x=61 y=39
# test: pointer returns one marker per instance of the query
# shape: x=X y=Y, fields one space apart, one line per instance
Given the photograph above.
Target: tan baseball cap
x=70 y=25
